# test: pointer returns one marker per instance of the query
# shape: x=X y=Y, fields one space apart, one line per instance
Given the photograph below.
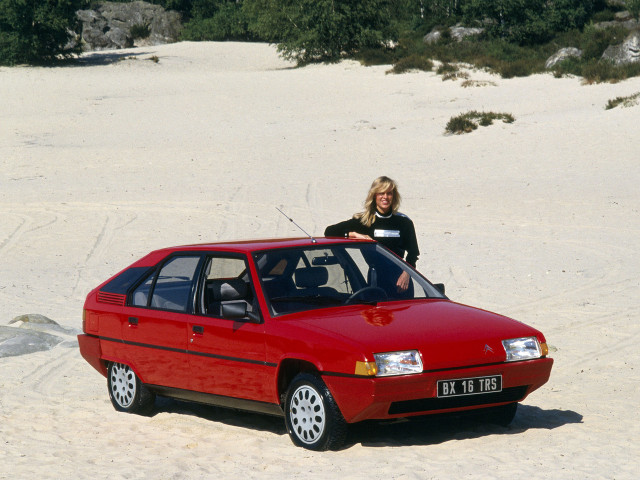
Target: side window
x=227 y=282
x=141 y=294
x=173 y=286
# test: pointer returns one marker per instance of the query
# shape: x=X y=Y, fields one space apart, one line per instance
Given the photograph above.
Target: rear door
x=156 y=330
x=227 y=356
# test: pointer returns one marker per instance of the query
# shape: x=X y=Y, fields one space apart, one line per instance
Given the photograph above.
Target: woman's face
x=384 y=200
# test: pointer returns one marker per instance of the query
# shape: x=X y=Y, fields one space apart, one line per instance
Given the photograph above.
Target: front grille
x=111 y=298
x=512 y=394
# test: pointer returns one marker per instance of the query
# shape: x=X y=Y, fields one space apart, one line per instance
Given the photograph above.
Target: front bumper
x=362 y=398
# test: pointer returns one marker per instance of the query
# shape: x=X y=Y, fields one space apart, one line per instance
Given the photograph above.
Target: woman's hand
x=360 y=236
x=403 y=282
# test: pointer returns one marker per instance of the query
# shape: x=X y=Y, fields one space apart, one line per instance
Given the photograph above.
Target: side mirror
x=238 y=311
x=439 y=287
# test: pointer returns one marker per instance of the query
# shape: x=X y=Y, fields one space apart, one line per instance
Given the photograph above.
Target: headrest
x=228 y=289
x=311 y=277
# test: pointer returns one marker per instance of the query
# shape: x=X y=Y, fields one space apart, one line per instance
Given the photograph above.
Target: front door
x=227 y=356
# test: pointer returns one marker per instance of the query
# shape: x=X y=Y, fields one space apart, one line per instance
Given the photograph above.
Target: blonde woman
x=382 y=222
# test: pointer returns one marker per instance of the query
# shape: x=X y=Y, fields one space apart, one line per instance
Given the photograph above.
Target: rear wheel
x=312 y=416
x=126 y=391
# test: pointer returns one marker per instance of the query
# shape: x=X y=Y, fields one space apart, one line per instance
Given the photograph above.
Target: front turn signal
x=368 y=369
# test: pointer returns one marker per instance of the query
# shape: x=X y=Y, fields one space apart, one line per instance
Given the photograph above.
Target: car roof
x=244 y=246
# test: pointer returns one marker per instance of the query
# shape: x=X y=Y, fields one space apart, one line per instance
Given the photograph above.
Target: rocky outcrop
x=625 y=53
x=123 y=25
x=458 y=33
x=562 y=55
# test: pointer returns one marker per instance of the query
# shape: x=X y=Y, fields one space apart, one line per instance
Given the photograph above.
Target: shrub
x=412 y=62
x=140 y=31
x=320 y=30
x=227 y=23
x=467 y=122
x=628 y=101
x=33 y=31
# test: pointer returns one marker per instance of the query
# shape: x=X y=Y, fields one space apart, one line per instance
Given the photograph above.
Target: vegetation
x=36 y=31
x=468 y=122
x=518 y=35
x=628 y=101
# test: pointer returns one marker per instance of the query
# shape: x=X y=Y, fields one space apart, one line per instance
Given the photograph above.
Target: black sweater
x=395 y=231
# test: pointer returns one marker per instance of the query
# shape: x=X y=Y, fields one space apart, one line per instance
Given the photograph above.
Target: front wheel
x=312 y=416
x=126 y=391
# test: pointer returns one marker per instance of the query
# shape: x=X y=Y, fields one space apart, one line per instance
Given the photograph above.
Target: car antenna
x=313 y=240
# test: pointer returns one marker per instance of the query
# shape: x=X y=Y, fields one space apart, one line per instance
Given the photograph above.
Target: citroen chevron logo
x=487 y=349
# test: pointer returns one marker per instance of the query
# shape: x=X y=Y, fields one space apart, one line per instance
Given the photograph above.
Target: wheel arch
x=287 y=370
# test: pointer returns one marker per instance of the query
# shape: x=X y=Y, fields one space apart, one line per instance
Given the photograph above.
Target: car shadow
x=413 y=431
x=227 y=416
x=436 y=429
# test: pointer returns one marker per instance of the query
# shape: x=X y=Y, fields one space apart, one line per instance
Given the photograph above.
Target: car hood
x=447 y=334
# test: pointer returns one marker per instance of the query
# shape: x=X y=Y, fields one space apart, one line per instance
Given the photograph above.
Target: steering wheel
x=357 y=293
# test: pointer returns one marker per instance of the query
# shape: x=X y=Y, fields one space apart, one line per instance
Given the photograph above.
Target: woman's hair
x=379 y=185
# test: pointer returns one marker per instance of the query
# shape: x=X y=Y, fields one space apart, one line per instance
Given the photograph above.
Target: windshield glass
x=298 y=279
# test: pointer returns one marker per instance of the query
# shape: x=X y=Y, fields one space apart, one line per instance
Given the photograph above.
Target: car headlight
x=522 y=349
x=398 y=363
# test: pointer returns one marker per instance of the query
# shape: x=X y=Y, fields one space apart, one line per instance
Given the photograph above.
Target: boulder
x=109 y=25
x=458 y=33
x=432 y=37
x=625 y=53
x=561 y=55
x=630 y=25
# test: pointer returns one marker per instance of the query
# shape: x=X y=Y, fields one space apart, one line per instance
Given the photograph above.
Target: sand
x=538 y=220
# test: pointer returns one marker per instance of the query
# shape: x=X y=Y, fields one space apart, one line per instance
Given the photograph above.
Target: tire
x=502 y=415
x=126 y=391
x=312 y=416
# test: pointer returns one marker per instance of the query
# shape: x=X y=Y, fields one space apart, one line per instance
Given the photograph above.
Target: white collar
x=379 y=215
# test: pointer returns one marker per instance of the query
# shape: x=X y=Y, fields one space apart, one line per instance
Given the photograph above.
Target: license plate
x=469 y=386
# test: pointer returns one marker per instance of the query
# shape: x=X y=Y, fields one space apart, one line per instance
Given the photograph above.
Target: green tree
x=634 y=8
x=320 y=30
x=529 y=21
x=34 y=31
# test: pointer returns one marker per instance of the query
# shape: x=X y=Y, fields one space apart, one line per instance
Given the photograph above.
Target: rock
x=109 y=24
x=561 y=55
x=458 y=33
x=623 y=16
x=33 y=318
x=432 y=37
x=14 y=341
x=630 y=25
x=40 y=323
x=625 y=53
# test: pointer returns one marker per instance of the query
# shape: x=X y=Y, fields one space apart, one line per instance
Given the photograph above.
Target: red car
x=314 y=330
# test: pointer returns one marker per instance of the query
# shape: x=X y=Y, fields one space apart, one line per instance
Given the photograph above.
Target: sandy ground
x=538 y=220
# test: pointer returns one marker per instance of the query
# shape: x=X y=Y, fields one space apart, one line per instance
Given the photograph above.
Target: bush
x=320 y=30
x=34 y=31
x=412 y=62
x=628 y=101
x=467 y=122
x=228 y=23
x=530 y=22
x=140 y=31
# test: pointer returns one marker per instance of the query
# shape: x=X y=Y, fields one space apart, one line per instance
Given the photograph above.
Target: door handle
x=197 y=329
x=133 y=321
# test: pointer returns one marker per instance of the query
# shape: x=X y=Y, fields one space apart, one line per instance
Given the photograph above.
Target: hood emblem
x=487 y=349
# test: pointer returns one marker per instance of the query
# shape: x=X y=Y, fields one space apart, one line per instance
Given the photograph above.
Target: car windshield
x=298 y=279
